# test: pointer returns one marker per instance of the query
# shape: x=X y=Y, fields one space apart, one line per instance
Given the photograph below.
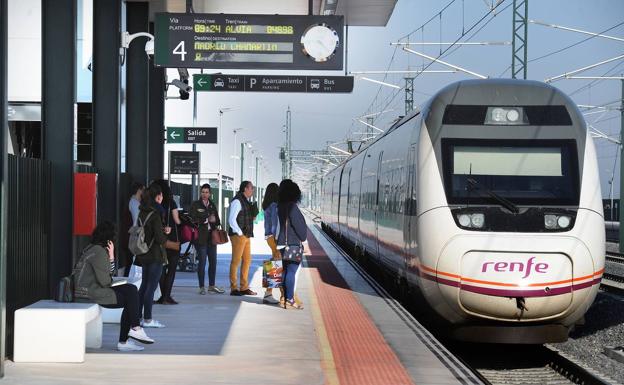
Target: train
x=486 y=203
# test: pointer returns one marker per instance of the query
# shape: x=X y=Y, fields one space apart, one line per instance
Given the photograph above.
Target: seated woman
x=93 y=280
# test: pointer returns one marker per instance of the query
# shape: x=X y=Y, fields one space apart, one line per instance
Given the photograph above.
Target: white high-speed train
x=488 y=202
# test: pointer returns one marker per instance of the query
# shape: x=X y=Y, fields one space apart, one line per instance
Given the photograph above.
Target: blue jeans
x=288 y=278
x=149 y=282
x=210 y=251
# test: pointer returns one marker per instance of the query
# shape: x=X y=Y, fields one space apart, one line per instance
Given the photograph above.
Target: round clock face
x=319 y=42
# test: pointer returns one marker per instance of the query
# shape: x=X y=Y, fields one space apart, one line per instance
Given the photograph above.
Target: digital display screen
x=225 y=41
x=517 y=161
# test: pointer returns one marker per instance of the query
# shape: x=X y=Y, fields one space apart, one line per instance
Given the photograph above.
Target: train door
x=343 y=212
x=377 y=208
x=411 y=205
x=360 y=197
x=339 y=196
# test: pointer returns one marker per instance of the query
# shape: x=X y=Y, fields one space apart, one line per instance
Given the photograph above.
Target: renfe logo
x=502 y=267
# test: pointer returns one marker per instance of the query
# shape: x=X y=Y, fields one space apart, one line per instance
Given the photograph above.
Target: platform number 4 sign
x=179 y=50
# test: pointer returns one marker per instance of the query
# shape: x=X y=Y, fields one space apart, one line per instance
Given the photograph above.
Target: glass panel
x=520 y=161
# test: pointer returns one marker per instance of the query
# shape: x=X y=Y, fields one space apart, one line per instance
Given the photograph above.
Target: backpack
x=136 y=243
x=65 y=290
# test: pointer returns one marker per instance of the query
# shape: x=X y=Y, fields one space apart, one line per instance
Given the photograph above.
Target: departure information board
x=222 y=41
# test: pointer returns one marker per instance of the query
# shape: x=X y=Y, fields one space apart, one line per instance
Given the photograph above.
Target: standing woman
x=204 y=213
x=152 y=261
x=93 y=281
x=293 y=232
x=170 y=220
x=269 y=205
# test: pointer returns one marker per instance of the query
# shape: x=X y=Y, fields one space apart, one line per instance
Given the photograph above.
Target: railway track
x=504 y=364
x=613 y=283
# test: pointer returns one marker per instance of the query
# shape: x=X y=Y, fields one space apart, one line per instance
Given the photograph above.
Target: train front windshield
x=530 y=172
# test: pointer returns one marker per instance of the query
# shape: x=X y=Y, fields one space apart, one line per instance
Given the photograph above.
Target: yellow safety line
x=327 y=356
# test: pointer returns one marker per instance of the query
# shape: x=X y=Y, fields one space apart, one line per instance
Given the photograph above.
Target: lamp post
x=234 y=157
x=256 y=183
x=242 y=159
x=219 y=174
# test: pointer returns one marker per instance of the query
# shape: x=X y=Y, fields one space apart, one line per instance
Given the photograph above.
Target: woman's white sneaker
x=129 y=346
x=139 y=335
x=152 y=324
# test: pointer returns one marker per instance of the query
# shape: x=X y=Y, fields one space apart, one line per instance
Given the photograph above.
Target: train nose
x=528 y=286
x=530 y=282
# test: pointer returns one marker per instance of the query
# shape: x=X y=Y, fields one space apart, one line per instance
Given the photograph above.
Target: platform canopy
x=372 y=13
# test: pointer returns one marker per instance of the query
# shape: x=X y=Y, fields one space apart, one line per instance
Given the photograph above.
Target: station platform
x=350 y=332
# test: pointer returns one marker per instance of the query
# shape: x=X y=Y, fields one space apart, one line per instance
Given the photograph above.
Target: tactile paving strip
x=360 y=353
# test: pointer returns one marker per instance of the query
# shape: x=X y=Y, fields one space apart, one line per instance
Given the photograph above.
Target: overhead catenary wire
x=564 y=48
x=394 y=95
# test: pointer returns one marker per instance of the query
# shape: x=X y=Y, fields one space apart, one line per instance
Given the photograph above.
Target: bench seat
x=50 y=331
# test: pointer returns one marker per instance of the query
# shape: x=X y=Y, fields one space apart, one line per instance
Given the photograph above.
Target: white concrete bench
x=113 y=316
x=49 y=331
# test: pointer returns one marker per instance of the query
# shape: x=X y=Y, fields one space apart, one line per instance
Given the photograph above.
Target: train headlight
x=464 y=220
x=550 y=221
x=506 y=116
x=557 y=222
x=564 y=221
x=477 y=220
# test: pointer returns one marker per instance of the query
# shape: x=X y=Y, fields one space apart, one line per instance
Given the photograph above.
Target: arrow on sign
x=174 y=135
x=201 y=82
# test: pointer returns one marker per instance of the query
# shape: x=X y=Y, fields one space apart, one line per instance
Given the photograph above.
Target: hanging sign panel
x=222 y=41
x=273 y=83
x=184 y=162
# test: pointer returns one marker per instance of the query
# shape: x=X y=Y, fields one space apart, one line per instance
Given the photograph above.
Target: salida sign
x=192 y=135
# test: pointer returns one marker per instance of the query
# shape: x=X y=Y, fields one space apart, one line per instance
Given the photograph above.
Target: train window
x=543 y=172
x=456 y=114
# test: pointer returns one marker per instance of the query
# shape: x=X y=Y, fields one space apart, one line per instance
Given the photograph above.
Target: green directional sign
x=202 y=82
x=205 y=135
x=175 y=135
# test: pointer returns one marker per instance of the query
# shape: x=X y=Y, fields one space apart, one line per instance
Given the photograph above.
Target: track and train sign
x=249 y=41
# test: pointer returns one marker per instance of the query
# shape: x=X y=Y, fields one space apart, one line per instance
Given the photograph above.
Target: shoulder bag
x=218 y=236
x=293 y=253
x=171 y=245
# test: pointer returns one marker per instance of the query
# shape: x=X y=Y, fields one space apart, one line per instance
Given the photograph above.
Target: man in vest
x=240 y=219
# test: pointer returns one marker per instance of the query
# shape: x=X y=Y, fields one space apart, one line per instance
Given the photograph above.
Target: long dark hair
x=289 y=192
x=166 y=191
x=289 y=195
x=103 y=232
x=270 y=195
x=148 y=199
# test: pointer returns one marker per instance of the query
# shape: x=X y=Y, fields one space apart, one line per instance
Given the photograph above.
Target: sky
x=321 y=119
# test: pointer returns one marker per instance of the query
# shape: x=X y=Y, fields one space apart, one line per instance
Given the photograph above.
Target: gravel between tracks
x=604 y=326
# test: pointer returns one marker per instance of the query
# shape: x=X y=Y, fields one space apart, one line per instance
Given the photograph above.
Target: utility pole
x=369 y=130
x=283 y=159
x=409 y=95
x=519 y=43
x=242 y=159
x=288 y=143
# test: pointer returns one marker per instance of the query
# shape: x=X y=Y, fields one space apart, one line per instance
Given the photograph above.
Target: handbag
x=272 y=273
x=218 y=236
x=292 y=253
x=172 y=245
